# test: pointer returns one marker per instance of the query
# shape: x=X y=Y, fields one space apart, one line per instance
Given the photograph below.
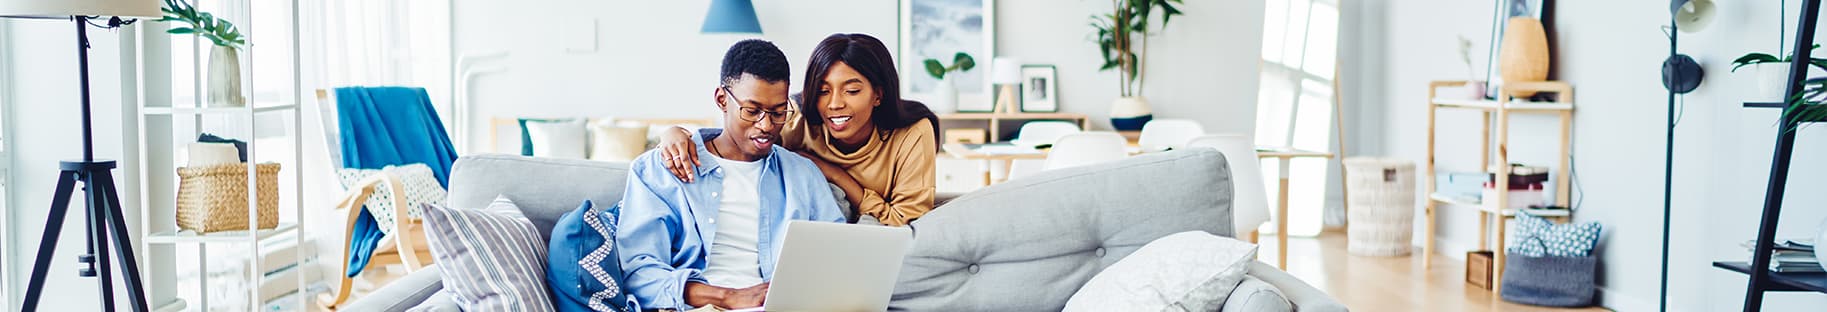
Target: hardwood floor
x=1387 y=283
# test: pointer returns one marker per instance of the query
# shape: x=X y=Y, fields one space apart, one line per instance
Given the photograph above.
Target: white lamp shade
x=122 y=8
x=1250 y=204
x=1005 y=70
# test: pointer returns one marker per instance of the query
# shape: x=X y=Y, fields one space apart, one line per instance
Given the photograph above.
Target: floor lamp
x=104 y=220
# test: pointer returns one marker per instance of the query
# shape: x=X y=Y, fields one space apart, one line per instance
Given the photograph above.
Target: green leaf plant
x=203 y=24
x=961 y=62
x=1120 y=31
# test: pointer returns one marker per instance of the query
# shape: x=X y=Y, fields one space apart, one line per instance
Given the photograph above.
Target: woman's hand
x=679 y=153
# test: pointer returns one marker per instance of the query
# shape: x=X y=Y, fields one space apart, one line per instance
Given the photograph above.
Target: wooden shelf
x=1011 y=116
x=181 y=237
x=1516 y=106
x=1507 y=212
x=1815 y=282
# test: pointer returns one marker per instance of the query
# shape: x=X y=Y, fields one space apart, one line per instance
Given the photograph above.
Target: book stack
x=1792 y=256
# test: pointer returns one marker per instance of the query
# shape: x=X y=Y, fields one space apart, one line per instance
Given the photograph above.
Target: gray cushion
x=401 y=294
x=1255 y=295
x=544 y=188
x=440 y=302
x=1029 y=244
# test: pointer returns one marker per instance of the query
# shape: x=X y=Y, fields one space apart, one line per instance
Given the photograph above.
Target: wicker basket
x=214 y=198
x=1382 y=215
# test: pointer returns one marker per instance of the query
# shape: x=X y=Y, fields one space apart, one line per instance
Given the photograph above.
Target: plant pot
x=225 y=78
x=1130 y=113
x=1473 y=90
x=944 y=98
x=1772 y=81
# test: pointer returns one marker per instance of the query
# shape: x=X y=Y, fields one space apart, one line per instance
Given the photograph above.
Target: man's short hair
x=755 y=57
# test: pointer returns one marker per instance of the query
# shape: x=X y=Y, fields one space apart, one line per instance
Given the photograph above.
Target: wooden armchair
x=407 y=244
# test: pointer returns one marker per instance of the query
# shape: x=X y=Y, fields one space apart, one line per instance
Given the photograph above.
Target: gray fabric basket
x=1550 y=281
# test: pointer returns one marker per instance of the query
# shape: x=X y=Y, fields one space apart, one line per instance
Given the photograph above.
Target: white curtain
x=378 y=43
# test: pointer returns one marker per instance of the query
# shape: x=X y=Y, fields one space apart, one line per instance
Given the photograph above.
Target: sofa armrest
x=1304 y=297
x=401 y=294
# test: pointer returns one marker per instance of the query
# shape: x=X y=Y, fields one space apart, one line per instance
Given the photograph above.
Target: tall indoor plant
x=224 y=53
x=1122 y=38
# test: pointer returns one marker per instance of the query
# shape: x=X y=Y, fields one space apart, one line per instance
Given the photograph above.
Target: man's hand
x=751 y=297
x=700 y=295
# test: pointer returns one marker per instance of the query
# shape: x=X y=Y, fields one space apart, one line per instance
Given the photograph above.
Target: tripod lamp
x=104 y=221
x=1006 y=74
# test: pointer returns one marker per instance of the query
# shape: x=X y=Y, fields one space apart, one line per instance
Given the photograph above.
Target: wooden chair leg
x=353 y=204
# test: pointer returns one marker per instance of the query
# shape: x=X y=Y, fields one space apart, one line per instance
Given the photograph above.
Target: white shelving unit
x=167 y=125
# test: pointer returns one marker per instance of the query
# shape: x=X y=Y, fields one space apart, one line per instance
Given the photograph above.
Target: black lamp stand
x=105 y=223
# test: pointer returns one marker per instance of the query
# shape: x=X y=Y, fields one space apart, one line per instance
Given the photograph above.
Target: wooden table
x=962 y=151
x=1285 y=154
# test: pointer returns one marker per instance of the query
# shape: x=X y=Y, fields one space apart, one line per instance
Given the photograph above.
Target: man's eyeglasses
x=751 y=114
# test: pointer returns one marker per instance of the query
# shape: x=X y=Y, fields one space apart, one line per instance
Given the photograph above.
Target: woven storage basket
x=214 y=198
x=1382 y=217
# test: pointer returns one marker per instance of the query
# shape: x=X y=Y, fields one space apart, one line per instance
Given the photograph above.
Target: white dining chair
x=1032 y=134
x=1086 y=148
x=1162 y=134
x=1250 y=197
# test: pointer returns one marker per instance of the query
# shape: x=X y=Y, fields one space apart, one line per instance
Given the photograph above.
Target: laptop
x=836 y=267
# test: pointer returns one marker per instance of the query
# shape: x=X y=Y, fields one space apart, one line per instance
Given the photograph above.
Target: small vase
x=1130 y=113
x=944 y=98
x=225 y=78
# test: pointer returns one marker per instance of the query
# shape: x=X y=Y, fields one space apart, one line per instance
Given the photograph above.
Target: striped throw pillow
x=491 y=259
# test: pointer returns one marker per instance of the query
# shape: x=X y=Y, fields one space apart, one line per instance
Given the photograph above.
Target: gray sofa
x=1025 y=245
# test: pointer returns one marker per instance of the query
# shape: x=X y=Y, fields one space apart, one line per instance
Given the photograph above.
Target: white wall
x=1611 y=52
x=44 y=97
x=651 y=61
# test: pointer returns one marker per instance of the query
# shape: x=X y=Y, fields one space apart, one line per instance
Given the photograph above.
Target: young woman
x=852 y=122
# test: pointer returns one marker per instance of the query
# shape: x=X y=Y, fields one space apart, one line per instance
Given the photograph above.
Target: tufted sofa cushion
x=1029 y=244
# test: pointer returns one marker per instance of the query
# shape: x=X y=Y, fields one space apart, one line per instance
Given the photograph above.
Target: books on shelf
x=1791 y=256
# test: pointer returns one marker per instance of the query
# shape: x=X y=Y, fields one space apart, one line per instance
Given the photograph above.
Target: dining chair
x=1250 y=196
x=1034 y=134
x=1162 y=134
x=1086 y=148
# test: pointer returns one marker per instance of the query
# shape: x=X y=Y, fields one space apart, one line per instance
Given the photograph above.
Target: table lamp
x=105 y=222
x=1006 y=72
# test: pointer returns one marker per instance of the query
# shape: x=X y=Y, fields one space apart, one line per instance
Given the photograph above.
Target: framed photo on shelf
x=940 y=29
x=1039 y=89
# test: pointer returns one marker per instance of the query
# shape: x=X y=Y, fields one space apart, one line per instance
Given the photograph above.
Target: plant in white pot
x=945 y=96
x=1122 y=38
x=1772 y=72
x=224 y=54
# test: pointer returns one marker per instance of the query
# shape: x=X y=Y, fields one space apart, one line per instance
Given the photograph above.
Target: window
x=1294 y=109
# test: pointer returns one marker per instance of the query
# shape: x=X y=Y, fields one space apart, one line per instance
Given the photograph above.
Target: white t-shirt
x=735 y=259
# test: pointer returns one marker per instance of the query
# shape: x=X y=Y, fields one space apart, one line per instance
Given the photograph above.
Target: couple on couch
x=703 y=215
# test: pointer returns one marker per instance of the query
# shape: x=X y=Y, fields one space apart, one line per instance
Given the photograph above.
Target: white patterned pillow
x=1186 y=271
x=491 y=259
x=421 y=188
x=1538 y=237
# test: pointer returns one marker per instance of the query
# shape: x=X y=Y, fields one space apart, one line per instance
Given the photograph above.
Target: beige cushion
x=1186 y=271
x=609 y=142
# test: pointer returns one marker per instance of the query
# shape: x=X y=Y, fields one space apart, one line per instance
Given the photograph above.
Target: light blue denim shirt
x=666 y=226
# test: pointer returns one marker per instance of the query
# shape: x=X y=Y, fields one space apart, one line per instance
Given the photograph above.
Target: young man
x=714 y=242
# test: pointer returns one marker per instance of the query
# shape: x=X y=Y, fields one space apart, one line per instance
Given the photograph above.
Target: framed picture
x=1501 y=12
x=939 y=29
x=1039 y=89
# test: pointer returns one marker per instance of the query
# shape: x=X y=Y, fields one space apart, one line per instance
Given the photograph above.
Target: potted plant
x=224 y=54
x=1122 y=38
x=945 y=96
x=1474 y=89
x=1772 y=72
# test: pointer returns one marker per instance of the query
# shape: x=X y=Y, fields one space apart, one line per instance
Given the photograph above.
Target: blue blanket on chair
x=384 y=126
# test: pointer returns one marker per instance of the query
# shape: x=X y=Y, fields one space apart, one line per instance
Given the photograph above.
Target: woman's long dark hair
x=869 y=57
